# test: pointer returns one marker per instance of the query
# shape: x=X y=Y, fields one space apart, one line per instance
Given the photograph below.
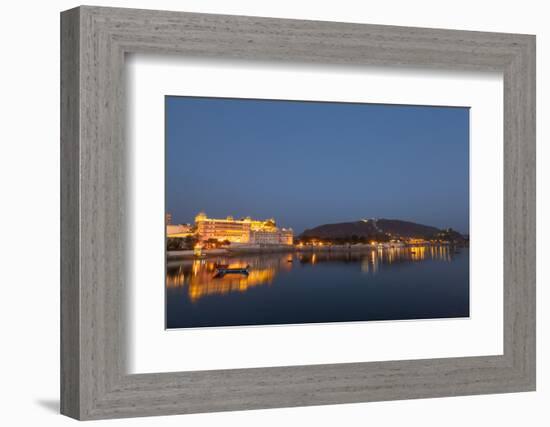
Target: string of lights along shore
x=246 y=232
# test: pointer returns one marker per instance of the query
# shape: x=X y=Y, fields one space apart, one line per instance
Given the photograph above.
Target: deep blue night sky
x=312 y=163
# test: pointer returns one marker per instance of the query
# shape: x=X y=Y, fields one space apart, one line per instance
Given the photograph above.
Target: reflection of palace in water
x=201 y=279
x=199 y=276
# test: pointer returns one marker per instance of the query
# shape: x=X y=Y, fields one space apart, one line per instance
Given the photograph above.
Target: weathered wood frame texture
x=94 y=41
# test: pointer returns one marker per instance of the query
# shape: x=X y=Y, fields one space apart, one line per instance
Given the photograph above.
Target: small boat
x=218 y=266
x=223 y=270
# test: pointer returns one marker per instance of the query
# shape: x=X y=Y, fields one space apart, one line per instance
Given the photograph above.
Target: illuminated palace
x=244 y=231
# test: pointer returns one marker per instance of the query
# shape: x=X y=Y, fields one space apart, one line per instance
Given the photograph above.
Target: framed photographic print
x=313 y=257
x=262 y=213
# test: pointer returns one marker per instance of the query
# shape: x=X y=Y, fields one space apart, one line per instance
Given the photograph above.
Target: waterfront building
x=168 y=219
x=234 y=231
x=286 y=236
x=178 y=230
x=242 y=231
x=281 y=236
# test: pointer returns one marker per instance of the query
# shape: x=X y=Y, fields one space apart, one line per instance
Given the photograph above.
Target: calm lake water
x=284 y=288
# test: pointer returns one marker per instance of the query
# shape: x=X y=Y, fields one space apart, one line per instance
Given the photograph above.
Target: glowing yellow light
x=204 y=283
x=246 y=230
x=197 y=250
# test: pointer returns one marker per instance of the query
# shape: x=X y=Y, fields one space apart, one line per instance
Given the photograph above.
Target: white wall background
x=29 y=183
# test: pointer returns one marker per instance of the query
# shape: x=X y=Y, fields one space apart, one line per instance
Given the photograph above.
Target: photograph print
x=298 y=212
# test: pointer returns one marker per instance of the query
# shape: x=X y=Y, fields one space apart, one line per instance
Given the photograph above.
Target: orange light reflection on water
x=199 y=276
x=371 y=263
x=202 y=280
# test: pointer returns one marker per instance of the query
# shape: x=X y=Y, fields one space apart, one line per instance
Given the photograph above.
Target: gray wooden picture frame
x=94 y=381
